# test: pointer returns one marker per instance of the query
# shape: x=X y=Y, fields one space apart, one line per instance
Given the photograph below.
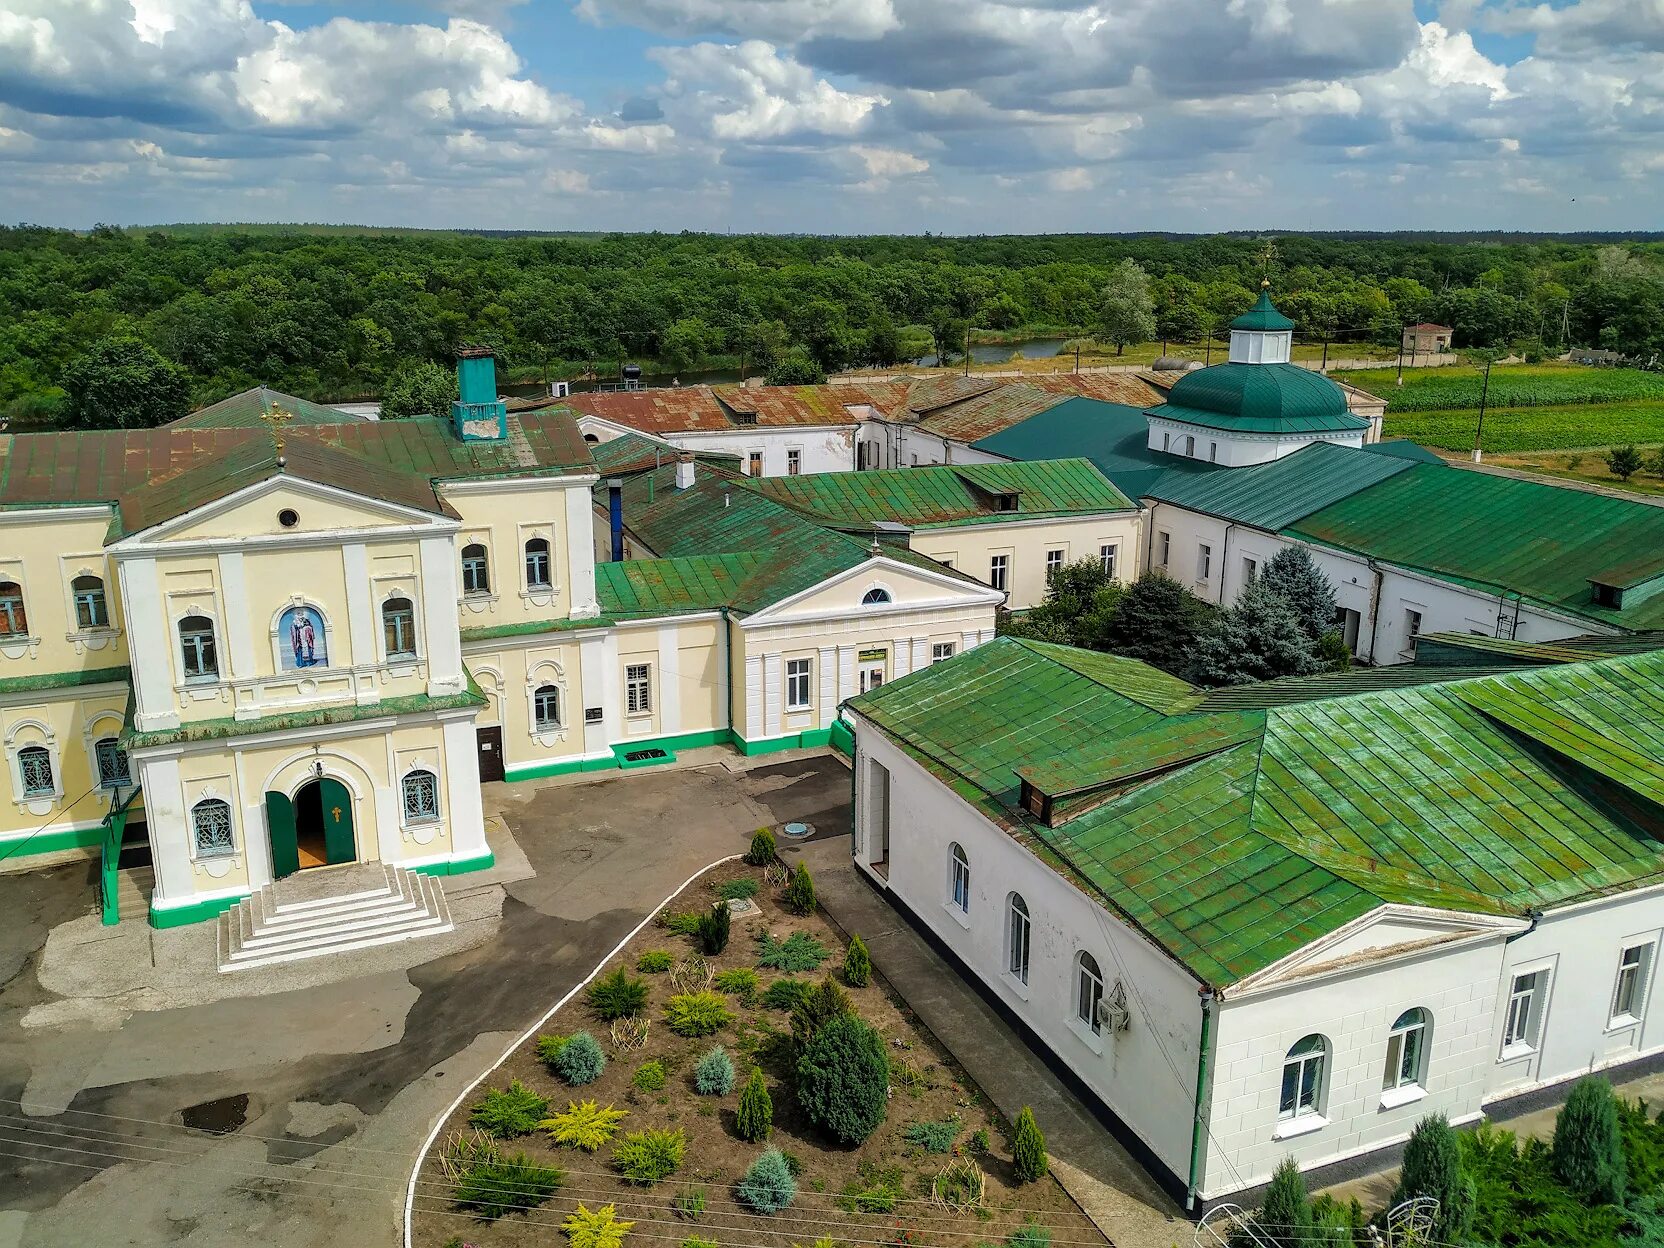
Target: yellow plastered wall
x=43 y=552
x=314 y=515
x=67 y=724
x=698 y=649
x=970 y=549
x=510 y=678
x=503 y=522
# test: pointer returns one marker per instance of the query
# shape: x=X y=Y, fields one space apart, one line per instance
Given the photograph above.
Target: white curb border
x=439 y=1122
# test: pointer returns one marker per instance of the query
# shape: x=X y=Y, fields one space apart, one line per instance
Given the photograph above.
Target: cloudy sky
x=964 y=116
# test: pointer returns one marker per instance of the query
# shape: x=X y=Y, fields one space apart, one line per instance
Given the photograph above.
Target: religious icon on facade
x=300 y=638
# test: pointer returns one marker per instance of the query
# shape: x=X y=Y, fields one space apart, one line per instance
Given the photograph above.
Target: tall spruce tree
x=1588 y=1152
x=1259 y=637
x=1293 y=575
x=1433 y=1167
x=1285 y=1216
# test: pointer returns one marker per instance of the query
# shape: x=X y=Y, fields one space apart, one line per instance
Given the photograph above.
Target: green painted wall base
x=52 y=842
x=193 y=912
x=458 y=866
x=686 y=741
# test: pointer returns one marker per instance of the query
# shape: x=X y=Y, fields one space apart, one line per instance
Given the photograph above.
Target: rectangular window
x=794 y=462
x=91 y=610
x=112 y=765
x=1520 y=1026
x=1250 y=570
x=1164 y=544
x=476 y=574
x=1204 y=561
x=14 y=620
x=1018 y=938
x=941 y=650
x=1213 y=452
x=1412 y=624
x=1629 y=996
x=1054 y=563
x=797 y=684
x=638 y=689
x=754 y=463
x=398 y=629
x=34 y=766
x=998 y=566
x=1107 y=554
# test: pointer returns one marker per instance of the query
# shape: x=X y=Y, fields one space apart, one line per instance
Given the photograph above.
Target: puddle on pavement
x=217 y=1117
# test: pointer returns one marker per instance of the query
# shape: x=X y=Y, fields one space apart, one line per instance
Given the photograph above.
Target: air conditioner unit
x=1113 y=1014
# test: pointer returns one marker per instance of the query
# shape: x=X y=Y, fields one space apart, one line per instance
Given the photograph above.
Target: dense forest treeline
x=332 y=313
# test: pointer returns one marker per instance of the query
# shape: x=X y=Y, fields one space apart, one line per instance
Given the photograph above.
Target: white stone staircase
x=329 y=910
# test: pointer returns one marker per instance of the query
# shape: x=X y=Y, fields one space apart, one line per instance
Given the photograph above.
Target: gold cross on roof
x=277 y=418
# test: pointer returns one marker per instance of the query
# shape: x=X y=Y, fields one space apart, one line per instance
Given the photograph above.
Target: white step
x=336 y=910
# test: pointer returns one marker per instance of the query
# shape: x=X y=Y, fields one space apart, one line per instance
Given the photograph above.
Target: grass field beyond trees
x=1565 y=427
x=1512 y=385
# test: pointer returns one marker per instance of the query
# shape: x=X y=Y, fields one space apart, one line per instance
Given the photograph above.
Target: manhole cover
x=741 y=907
x=797 y=831
x=218 y=1117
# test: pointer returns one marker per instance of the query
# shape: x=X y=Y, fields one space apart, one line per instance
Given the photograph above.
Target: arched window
x=537 y=563
x=91 y=611
x=875 y=596
x=476 y=570
x=14 y=620
x=211 y=828
x=112 y=764
x=398 y=628
x=1406 y=1051
x=591 y=439
x=1019 y=933
x=196 y=648
x=1303 y=1073
x=546 y=708
x=421 y=797
x=34 y=766
x=1089 y=991
x=959 y=879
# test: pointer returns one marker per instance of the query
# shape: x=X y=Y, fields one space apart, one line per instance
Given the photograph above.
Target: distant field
x=1544 y=428
x=1513 y=385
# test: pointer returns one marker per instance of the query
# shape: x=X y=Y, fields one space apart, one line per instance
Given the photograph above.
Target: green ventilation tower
x=478 y=414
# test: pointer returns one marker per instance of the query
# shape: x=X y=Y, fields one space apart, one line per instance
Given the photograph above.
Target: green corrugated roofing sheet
x=1541 y=541
x=948 y=494
x=1468 y=648
x=1292 y=689
x=650 y=587
x=1491 y=794
x=248 y=410
x=1276 y=494
x=1262 y=316
x=1113 y=436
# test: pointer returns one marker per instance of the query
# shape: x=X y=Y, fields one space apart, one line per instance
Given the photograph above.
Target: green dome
x=1262 y=316
x=1259 y=398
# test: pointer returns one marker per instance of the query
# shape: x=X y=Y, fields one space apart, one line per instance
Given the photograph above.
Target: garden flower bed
x=568 y=1140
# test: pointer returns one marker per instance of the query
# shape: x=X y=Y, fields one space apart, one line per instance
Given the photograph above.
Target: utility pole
x=967 y=348
x=1401 y=330
x=1077 y=353
x=1479 y=429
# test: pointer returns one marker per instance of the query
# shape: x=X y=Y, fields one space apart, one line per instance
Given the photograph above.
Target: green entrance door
x=339 y=843
x=280 y=830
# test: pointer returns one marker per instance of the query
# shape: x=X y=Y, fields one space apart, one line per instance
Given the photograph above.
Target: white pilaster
x=968 y=641
x=141 y=600
x=239 y=641
x=580 y=555
x=598 y=656
x=901 y=658
x=462 y=789
x=828 y=668
x=255 y=845
x=774 y=689
x=361 y=615
x=986 y=636
x=753 y=697
x=670 y=682
x=164 y=811
x=440 y=601
x=921 y=652
x=846 y=673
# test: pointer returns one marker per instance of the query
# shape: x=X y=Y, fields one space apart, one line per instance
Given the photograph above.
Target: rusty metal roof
x=249 y=409
x=1234 y=838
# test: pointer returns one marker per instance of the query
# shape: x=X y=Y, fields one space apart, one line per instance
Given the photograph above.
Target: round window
x=288 y=517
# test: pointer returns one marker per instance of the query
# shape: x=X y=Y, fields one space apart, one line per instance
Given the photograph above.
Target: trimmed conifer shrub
x=713 y=929
x=1028 y=1148
x=768 y=1186
x=843 y=1079
x=618 y=995
x=857 y=963
x=504 y=1113
x=763 y=848
x=1433 y=1167
x=581 y=1060
x=1284 y=1211
x=755 y=1118
x=800 y=891
x=820 y=1005
x=1588 y=1152
x=714 y=1075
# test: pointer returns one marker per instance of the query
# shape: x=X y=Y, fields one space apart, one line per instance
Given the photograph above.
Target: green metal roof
x=1260 y=398
x=1262 y=316
x=1403 y=448
x=121 y=675
x=1434 y=649
x=1503 y=534
x=650 y=587
x=1234 y=837
x=1292 y=689
x=1276 y=494
x=248 y=410
x=1113 y=436
x=950 y=494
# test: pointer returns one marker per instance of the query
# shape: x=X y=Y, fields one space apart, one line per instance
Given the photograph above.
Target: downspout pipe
x=615 y=517
x=1206 y=994
x=1375 y=608
x=1535 y=914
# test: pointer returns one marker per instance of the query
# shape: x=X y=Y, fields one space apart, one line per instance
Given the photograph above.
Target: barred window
x=211 y=828
x=638 y=689
x=421 y=797
x=35 y=765
x=112 y=765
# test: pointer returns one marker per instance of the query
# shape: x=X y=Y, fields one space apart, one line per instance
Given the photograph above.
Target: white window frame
x=406 y=816
x=1524 y=1011
x=1404 y=1074
x=389 y=654
x=1089 y=993
x=959 y=880
x=1110 y=554
x=942 y=651
x=1190 y=446
x=229 y=849
x=1632 y=980
x=198 y=678
x=541 y=724
x=754 y=456
x=547 y=554
x=999 y=571
x=794 y=461
x=800 y=684
x=638 y=690
x=1055 y=558
x=1166 y=548
x=1250 y=569
x=1019 y=941
x=1304 y=1115
x=1204 y=561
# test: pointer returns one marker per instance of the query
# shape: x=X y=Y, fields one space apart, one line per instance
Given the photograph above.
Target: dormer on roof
x=1262 y=335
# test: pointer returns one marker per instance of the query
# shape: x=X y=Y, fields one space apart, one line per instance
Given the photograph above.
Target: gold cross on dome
x=277 y=418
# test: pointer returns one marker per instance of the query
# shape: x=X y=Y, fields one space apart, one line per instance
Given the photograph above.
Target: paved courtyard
x=328 y=1072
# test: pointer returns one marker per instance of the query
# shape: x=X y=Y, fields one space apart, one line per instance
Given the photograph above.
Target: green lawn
x=1457 y=387
x=1548 y=428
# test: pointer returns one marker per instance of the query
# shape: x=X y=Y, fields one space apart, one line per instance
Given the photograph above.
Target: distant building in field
x=1427 y=339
